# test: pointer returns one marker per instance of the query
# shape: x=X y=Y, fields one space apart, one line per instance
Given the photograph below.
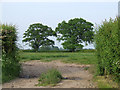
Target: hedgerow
x=10 y=55
x=107 y=41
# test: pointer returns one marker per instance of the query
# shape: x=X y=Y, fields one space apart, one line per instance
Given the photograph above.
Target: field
x=80 y=66
x=67 y=57
x=80 y=58
x=73 y=67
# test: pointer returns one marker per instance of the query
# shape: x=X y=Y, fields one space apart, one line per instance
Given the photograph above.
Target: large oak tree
x=74 y=32
x=37 y=36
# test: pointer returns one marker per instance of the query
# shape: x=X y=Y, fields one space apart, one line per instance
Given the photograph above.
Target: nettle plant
x=107 y=41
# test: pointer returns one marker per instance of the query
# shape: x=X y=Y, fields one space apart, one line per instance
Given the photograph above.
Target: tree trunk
x=72 y=50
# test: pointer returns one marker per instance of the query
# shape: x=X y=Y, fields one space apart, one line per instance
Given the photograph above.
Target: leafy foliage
x=49 y=48
x=74 y=32
x=108 y=48
x=52 y=77
x=37 y=35
x=10 y=58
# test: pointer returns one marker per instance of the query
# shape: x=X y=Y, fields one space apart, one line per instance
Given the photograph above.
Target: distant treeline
x=59 y=50
x=73 y=33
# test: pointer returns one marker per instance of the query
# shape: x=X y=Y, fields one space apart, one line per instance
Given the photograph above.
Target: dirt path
x=31 y=70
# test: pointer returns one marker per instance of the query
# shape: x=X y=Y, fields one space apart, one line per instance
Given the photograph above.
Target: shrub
x=51 y=77
x=107 y=41
x=87 y=50
x=10 y=56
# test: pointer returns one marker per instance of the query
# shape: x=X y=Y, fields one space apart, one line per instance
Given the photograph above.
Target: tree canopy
x=74 y=32
x=37 y=36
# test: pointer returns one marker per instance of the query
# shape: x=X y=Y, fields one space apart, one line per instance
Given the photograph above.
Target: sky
x=22 y=14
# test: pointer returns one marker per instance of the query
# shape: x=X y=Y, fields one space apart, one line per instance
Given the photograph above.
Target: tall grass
x=51 y=77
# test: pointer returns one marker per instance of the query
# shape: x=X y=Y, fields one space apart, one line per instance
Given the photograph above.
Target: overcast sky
x=22 y=14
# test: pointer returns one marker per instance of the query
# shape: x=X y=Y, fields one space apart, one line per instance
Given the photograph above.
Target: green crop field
x=67 y=57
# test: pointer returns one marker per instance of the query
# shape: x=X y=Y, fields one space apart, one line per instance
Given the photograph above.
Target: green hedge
x=108 y=48
x=87 y=50
x=10 y=58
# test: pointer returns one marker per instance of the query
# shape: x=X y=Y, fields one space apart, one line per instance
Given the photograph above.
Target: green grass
x=7 y=78
x=103 y=82
x=51 y=77
x=67 y=57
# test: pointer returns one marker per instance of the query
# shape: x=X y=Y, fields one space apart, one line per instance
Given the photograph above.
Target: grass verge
x=103 y=82
x=51 y=77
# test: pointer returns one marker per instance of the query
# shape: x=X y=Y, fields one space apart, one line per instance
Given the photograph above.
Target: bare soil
x=76 y=76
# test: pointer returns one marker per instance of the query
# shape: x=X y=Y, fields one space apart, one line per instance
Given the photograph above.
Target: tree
x=37 y=35
x=75 y=32
x=49 y=48
x=54 y=48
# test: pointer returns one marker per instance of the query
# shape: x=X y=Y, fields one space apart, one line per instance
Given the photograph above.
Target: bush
x=108 y=48
x=87 y=50
x=10 y=56
x=51 y=77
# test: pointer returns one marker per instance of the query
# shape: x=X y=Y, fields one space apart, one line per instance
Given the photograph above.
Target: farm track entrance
x=75 y=75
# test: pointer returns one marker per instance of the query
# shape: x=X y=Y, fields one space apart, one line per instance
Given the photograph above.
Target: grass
x=7 y=78
x=103 y=82
x=51 y=77
x=67 y=57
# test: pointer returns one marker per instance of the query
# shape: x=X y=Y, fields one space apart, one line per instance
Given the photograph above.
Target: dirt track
x=76 y=76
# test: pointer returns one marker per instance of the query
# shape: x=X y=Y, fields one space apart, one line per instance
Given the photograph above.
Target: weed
x=103 y=82
x=51 y=77
x=86 y=68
